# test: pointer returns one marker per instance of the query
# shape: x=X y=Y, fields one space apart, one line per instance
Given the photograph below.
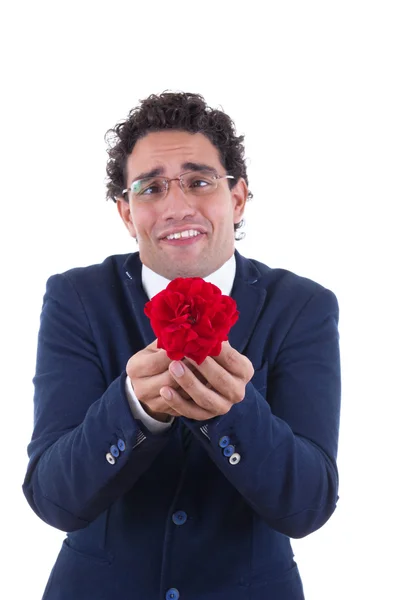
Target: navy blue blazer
x=156 y=521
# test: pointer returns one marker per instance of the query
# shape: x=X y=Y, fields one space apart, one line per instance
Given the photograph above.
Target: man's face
x=213 y=215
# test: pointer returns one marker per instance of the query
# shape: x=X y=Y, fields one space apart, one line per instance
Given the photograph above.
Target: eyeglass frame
x=169 y=179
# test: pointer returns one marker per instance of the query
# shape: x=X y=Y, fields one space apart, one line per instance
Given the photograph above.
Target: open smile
x=183 y=240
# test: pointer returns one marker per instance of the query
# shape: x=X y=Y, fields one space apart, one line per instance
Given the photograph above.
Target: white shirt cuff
x=138 y=411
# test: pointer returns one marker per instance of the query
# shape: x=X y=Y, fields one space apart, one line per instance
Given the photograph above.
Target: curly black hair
x=179 y=111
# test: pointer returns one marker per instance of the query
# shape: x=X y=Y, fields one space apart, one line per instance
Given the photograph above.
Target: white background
x=314 y=86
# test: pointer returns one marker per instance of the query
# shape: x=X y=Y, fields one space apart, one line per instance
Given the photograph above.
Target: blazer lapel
x=132 y=271
x=250 y=298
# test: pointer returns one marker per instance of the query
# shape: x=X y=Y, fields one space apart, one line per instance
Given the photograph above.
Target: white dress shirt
x=153 y=283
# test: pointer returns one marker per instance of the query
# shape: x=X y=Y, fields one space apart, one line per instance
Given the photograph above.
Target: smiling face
x=213 y=216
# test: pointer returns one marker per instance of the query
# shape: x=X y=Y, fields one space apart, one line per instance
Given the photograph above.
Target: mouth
x=183 y=240
x=184 y=237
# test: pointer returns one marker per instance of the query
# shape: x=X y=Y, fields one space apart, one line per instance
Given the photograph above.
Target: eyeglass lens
x=194 y=182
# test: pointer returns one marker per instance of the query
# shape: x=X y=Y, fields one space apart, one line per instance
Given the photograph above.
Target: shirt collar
x=153 y=283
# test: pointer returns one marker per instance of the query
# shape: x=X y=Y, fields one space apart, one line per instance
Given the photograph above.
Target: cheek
x=224 y=216
x=143 y=220
x=217 y=210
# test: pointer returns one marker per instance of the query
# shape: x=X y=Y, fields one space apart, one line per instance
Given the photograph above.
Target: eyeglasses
x=197 y=183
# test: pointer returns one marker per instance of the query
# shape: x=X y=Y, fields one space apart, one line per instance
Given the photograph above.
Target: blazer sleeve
x=71 y=478
x=286 y=428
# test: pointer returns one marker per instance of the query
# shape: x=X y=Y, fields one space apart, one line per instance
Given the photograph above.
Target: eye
x=150 y=190
x=149 y=187
x=200 y=183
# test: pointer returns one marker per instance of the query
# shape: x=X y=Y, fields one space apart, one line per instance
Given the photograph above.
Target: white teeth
x=183 y=234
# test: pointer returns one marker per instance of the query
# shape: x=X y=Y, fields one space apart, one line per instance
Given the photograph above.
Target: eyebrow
x=187 y=166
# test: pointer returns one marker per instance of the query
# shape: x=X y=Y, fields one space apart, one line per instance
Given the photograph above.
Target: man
x=172 y=479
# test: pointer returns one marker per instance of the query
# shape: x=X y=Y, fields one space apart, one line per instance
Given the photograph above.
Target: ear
x=125 y=214
x=239 y=195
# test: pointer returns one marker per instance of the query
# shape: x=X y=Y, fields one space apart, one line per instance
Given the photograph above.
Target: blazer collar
x=247 y=292
x=250 y=297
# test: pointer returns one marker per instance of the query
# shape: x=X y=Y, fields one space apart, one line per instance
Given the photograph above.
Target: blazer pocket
x=259 y=379
x=96 y=559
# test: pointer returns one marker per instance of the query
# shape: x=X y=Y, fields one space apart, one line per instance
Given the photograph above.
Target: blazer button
x=110 y=458
x=114 y=451
x=224 y=441
x=121 y=445
x=235 y=458
x=229 y=450
x=179 y=518
x=172 y=594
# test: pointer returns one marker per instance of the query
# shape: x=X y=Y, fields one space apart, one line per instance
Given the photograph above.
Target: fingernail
x=166 y=393
x=177 y=369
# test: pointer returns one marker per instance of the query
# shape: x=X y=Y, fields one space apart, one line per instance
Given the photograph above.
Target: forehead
x=170 y=149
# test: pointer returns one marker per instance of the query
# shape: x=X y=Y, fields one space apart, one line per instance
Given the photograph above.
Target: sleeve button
x=114 y=451
x=235 y=458
x=224 y=441
x=110 y=458
x=229 y=450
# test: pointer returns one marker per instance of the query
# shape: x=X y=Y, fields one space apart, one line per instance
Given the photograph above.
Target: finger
x=209 y=400
x=149 y=387
x=192 y=366
x=159 y=405
x=148 y=362
x=233 y=361
x=185 y=408
x=221 y=381
x=181 y=392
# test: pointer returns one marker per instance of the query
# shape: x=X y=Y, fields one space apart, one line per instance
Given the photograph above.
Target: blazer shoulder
x=283 y=283
x=286 y=277
x=98 y=274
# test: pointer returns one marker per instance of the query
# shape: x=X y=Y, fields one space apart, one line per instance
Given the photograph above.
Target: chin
x=185 y=270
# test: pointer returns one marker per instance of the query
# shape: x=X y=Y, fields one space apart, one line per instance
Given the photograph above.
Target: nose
x=177 y=204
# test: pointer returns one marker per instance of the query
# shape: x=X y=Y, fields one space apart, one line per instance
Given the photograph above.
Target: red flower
x=191 y=318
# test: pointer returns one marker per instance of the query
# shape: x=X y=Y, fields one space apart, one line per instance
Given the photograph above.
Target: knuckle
x=232 y=394
x=222 y=380
x=243 y=392
x=230 y=388
x=240 y=392
x=250 y=371
x=136 y=364
x=247 y=369
x=226 y=408
x=130 y=366
x=231 y=357
x=250 y=364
